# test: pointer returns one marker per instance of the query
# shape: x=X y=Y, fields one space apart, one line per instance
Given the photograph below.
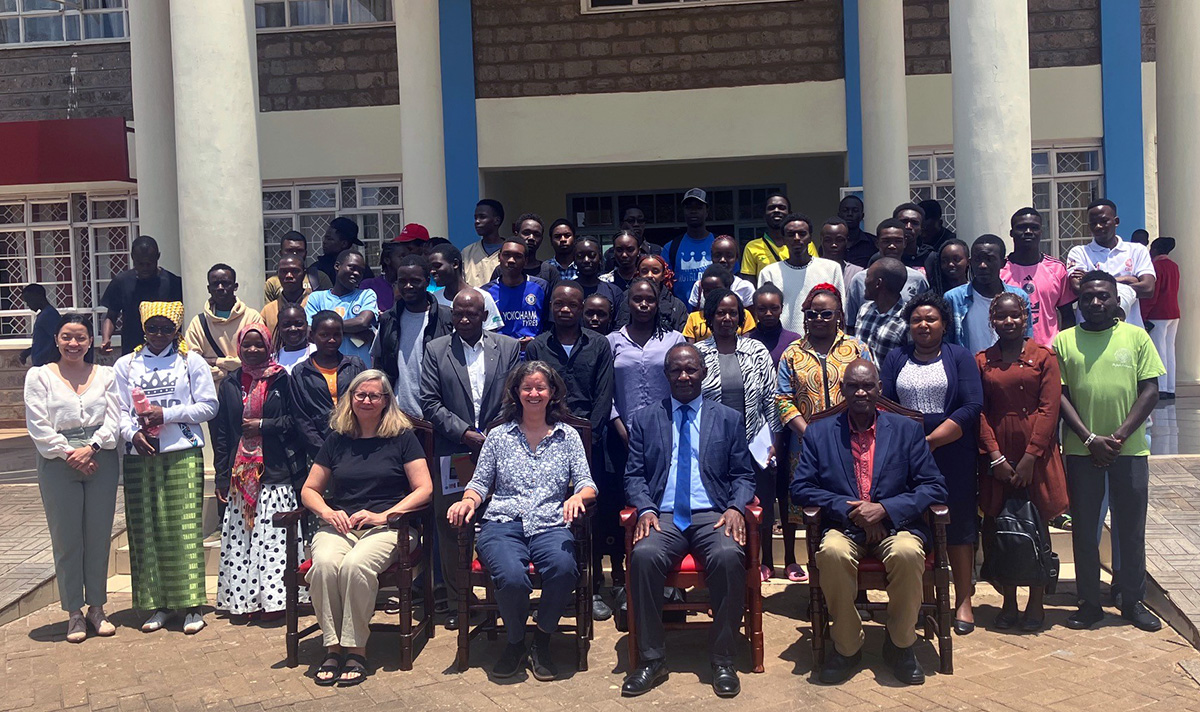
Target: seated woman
x=535 y=470
x=371 y=466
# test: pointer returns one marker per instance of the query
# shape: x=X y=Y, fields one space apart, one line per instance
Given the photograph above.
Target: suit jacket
x=725 y=466
x=446 y=387
x=905 y=479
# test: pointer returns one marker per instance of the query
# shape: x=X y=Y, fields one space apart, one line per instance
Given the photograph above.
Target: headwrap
x=248 y=462
x=668 y=280
x=825 y=287
x=170 y=310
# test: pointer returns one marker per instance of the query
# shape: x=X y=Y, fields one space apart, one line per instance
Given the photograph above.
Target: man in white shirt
x=891 y=239
x=1129 y=262
x=800 y=272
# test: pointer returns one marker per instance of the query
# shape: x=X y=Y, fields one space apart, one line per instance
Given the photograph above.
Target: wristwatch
x=95 y=447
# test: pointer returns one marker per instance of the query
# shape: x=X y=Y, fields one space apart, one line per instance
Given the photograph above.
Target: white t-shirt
x=978 y=324
x=797 y=282
x=741 y=287
x=1125 y=259
x=289 y=359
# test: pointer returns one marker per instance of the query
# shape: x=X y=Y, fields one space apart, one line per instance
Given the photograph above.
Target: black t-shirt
x=126 y=292
x=368 y=473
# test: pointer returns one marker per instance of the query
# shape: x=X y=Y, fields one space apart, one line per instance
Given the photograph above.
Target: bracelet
x=1089 y=440
x=997 y=461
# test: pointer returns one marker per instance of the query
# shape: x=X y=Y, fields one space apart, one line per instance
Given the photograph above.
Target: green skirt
x=164 y=502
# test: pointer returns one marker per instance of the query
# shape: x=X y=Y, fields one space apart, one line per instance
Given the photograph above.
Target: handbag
x=1016 y=546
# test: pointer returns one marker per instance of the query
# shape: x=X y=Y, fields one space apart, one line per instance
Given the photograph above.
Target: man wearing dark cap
x=342 y=234
x=691 y=253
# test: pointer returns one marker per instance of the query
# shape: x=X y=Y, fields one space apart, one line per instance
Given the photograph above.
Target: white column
x=220 y=189
x=884 y=109
x=422 y=148
x=989 y=50
x=1178 y=68
x=154 y=126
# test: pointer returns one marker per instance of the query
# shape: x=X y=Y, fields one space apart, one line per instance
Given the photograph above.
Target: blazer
x=725 y=466
x=439 y=324
x=446 y=387
x=905 y=479
x=964 y=388
x=311 y=401
x=283 y=455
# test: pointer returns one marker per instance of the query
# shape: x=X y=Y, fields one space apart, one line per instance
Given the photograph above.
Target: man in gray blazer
x=462 y=389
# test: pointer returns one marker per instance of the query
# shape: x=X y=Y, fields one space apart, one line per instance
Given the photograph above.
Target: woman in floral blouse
x=534 y=468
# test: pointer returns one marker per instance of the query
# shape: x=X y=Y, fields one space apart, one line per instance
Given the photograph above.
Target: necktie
x=683 y=471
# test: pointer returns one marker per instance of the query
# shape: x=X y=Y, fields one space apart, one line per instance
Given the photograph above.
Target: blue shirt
x=960 y=299
x=523 y=307
x=348 y=306
x=566 y=274
x=700 y=500
x=693 y=257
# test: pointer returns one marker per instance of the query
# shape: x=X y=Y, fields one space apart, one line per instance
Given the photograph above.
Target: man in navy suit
x=873 y=477
x=689 y=477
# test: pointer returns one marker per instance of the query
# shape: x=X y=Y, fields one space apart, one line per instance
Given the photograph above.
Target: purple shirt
x=775 y=341
x=383 y=292
x=638 y=376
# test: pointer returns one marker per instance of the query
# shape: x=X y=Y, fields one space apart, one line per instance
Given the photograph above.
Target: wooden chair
x=689 y=574
x=472 y=574
x=412 y=562
x=936 y=615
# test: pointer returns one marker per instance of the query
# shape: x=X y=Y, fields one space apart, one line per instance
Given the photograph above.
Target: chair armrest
x=939 y=514
x=284 y=520
x=399 y=520
x=812 y=516
x=754 y=515
x=629 y=517
x=584 y=521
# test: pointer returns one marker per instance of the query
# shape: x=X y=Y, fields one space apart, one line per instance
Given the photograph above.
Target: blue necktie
x=683 y=471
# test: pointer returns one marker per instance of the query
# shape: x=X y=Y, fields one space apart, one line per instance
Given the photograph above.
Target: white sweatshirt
x=182 y=388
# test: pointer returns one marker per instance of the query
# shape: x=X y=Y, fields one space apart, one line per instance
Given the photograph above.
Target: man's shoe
x=725 y=681
x=1084 y=618
x=540 y=660
x=1141 y=617
x=904 y=662
x=600 y=610
x=511 y=661
x=452 y=621
x=1116 y=599
x=838 y=668
x=642 y=680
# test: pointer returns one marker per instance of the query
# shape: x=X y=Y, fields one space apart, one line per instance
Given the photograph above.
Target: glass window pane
x=918 y=170
x=921 y=193
x=72 y=30
x=945 y=195
x=277 y=200
x=945 y=168
x=1041 y=163
x=105 y=24
x=1041 y=197
x=370 y=11
x=47 y=28
x=102 y=4
x=1077 y=161
x=12 y=244
x=113 y=239
x=48 y=212
x=318 y=197
x=341 y=13
x=270 y=14
x=110 y=209
x=10 y=31
x=35 y=5
x=8 y=5
x=309 y=12
x=12 y=214
x=380 y=195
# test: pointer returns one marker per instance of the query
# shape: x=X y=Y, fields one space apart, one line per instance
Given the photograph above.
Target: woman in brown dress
x=1018 y=431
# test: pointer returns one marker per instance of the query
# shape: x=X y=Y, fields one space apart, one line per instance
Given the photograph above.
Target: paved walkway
x=1173 y=533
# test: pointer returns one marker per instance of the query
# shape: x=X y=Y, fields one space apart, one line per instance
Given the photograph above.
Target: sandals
x=764 y=573
x=796 y=573
x=359 y=669
x=332 y=665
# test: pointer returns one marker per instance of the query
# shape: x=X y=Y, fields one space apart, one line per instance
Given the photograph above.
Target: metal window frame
x=314 y=28
x=71 y=8
x=585 y=6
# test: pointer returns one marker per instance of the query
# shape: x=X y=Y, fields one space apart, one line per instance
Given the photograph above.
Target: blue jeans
x=506 y=553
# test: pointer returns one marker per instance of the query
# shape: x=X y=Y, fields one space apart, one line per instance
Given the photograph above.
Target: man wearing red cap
x=412 y=240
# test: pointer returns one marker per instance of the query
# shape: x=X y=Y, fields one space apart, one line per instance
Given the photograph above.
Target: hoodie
x=224 y=332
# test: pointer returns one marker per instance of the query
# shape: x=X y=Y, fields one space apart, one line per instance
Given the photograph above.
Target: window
x=71 y=244
x=1065 y=180
x=731 y=211
x=290 y=14
x=24 y=22
x=375 y=204
x=625 y=5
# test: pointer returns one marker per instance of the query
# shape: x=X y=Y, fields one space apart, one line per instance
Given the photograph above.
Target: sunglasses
x=160 y=330
x=823 y=315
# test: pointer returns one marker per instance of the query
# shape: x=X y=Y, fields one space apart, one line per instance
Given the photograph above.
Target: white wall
x=326 y=143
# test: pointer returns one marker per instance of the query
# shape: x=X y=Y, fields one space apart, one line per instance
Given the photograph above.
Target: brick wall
x=36 y=82
x=548 y=47
x=1149 y=22
x=1062 y=33
x=329 y=69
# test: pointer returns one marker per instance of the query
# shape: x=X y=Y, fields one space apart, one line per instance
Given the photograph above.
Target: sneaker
x=156 y=621
x=601 y=611
x=541 y=662
x=193 y=623
x=1142 y=617
x=1084 y=618
x=76 y=628
x=99 y=621
x=511 y=660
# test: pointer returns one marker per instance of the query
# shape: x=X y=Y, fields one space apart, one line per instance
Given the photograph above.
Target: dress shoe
x=541 y=662
x=1141 y=617
x=1006 y=620
x=642 y=680
x=1084 y=618
x=725 y=681
x=962 y=627
x=838 y=668
x=452 y=621
x=904 y=662
x=511 y=661
x=600 y=610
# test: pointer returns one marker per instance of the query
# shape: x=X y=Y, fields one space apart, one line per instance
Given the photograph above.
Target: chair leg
x=406 y=624
x=755 y=627
x=945 y=641
x=464 y=623
x=817 y=614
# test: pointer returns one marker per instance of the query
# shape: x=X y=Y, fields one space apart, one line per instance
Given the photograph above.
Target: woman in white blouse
x=71 y=413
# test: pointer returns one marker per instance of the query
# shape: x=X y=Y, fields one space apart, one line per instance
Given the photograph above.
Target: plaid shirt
x=881 y=332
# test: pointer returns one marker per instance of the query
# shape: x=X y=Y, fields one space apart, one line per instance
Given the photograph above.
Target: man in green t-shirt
x=1109 y=374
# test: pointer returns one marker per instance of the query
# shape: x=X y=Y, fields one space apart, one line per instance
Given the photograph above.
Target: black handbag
x=1016 y=547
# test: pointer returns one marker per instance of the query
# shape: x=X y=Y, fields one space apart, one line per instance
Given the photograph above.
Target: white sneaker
x=193 y=623
x=156 y=621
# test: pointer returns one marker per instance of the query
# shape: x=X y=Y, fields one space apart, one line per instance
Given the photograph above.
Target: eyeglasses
x=823 y=315
x=368 y=397
x=160 y=330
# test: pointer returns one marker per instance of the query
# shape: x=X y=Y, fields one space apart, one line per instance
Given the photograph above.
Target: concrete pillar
x=154 y=126
x=1178 y=69
x=422 y=148
x=884 y=109
x=989 y=49
x=220 y=189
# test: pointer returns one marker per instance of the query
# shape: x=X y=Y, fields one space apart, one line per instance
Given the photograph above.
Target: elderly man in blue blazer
x=689 y=476
x=873 y=477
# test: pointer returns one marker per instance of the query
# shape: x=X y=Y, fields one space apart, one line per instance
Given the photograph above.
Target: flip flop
x=764 y=573
x=796 y=573
x=360 y=669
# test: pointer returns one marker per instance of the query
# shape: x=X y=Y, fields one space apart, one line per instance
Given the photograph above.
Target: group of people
x=706 y=371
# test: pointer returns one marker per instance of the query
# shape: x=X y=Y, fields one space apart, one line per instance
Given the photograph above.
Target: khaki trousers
x=344 y=580
x=903 y=557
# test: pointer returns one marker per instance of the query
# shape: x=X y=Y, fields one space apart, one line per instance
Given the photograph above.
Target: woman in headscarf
x=165 y=392
x=257 y=472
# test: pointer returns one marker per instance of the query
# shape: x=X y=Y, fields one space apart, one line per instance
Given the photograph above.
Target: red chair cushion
x=414 y=557
x=875 y=566
x=689 y=565
x=477 y=567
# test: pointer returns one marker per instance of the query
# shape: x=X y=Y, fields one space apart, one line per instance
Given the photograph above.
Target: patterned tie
x=683 y=471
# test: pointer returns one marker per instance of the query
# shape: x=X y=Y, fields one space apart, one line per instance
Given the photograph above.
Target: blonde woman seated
x=535 y=469
x=370 y=466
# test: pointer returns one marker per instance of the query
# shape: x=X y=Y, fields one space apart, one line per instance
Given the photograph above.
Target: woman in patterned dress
x=810 y=381
x=534 y=468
